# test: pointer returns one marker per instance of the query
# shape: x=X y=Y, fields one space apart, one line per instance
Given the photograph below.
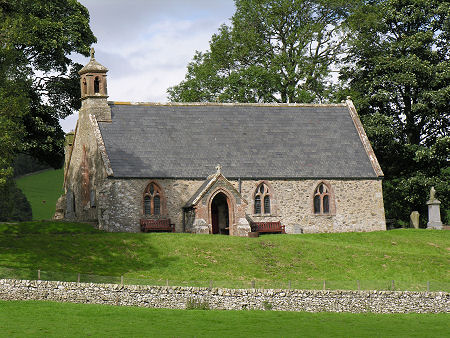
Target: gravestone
x=414 y=219
x=434 y=212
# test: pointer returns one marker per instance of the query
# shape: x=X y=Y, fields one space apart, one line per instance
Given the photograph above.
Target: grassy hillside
x=407 y=256
x=42 y=191
x=47 y=319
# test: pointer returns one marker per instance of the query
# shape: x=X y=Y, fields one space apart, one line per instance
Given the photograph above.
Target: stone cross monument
x=434 y=212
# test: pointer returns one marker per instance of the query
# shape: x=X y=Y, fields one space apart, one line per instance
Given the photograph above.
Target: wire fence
x=381 y=285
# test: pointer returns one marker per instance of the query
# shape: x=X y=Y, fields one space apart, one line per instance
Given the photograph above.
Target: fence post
x=78 y=278
x=39 y=274
x=253 y=284
x=210 y=284
x=393 y=285
x=290 y=285
x=428 y=286
x=324 y=284
x=121 y=280
x=359 y=286
x=167 y=282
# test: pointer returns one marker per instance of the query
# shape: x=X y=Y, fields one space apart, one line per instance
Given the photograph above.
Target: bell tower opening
x=96 y=85
x=220 y=216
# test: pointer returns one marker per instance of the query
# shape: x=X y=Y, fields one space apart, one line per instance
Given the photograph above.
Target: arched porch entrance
x=220 y=214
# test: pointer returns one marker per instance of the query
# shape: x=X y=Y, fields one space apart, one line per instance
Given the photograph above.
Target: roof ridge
x=273 y=104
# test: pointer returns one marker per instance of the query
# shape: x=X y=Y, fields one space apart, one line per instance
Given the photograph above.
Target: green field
x=62 y=250
x=42 y=191
x=48 y=319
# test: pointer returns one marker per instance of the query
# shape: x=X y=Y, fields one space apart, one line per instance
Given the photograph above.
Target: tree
x=38 y=81
x=274 y=51
x=398 y=75
x=400 y=65
x=16 y=207
x=37 y=38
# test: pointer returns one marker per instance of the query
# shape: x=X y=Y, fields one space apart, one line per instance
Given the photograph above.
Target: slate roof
x=249 y=141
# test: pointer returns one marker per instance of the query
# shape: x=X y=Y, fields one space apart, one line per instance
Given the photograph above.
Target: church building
x=218 y=168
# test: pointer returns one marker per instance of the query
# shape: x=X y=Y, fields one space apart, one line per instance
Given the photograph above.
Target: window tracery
x=322 y=199
x=152 y=200
x=262 y=199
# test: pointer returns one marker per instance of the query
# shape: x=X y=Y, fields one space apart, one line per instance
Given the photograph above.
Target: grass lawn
x=49 y=319
x=62 y=250
x=42 y=191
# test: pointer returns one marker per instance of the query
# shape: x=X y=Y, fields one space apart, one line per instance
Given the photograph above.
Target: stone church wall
x=358 y=204
x=81 y=205
x=121 y=202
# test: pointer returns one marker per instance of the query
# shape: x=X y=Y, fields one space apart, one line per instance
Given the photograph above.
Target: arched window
x=96 y=85
x=257 y=204
x=322 y=199
x=262 y=194
x=152 y=200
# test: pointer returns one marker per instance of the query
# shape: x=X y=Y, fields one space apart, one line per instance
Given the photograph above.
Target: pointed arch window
x=262 y=199
x=152 y=200
x=322 y=199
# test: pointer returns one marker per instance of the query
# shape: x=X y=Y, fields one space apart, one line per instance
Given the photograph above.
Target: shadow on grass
x=46 y=227
x=62 y=255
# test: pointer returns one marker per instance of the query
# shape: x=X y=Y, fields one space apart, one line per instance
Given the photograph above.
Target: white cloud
x=147 y=44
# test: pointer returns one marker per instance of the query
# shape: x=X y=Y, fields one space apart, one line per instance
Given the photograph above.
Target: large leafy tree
x=398 y=74
x=38 y=80
x=400 y=65
x=273 y=51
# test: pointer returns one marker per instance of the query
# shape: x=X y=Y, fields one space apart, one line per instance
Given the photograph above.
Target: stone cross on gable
x=219 y=169
x=92 y=53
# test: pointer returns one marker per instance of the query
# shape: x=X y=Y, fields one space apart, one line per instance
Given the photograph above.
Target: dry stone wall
x=228 y=299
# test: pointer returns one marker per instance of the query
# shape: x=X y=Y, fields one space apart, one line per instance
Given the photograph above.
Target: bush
x=195 y=304
x=14 y=206
x=267 y=305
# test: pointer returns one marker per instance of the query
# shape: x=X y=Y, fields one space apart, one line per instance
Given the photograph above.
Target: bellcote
x=93 y=79
x=94 y=90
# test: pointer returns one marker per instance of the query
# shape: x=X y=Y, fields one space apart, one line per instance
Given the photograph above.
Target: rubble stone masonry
x=228 y=299
x=357 y=205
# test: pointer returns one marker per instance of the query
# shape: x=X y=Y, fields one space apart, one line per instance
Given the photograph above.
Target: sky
x=147 y=44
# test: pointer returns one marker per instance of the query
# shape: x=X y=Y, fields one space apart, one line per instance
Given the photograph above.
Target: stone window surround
x=162 y=196
x=332 y=205
x=273 y=201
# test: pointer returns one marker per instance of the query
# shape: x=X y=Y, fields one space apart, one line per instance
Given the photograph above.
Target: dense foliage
x=38 y=81
x=16 y=207
x=25 y=164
